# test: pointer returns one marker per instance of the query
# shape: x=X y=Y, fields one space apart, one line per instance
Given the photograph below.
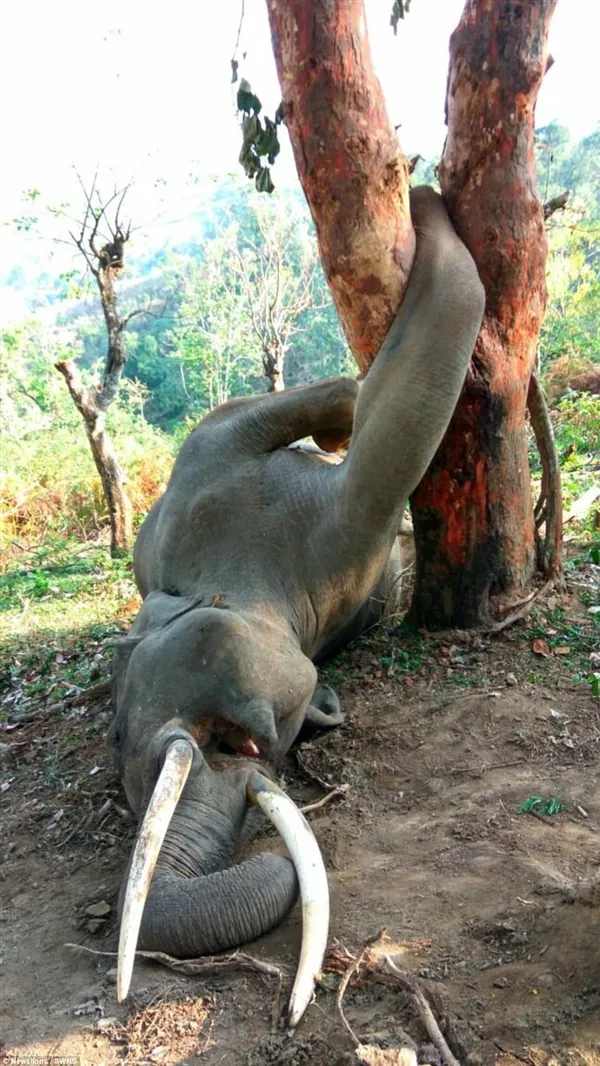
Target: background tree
x=219 y=356
x=101 y=240
x=571 y=330
x=473 y=512
x=277 y=273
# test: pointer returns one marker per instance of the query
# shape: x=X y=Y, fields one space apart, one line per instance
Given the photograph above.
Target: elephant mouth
x=217 y=737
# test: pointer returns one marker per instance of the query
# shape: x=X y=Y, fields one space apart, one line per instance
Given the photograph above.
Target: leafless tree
x=275 y=294
x=102 y=239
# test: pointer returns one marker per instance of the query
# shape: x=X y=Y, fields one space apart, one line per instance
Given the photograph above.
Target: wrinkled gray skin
x=261 y=559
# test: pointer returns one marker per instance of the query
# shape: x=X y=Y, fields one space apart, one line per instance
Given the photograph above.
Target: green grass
x=64 y=589
x=60 y=611
x=558 y=631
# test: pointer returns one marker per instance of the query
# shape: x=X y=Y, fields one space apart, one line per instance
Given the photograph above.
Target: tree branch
x=83 y=399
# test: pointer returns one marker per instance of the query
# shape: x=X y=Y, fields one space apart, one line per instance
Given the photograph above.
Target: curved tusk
x=314 y=892
x=168 y=789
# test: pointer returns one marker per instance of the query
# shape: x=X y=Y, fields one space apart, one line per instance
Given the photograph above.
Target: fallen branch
x=410 y=986
x=102 y=688
x=58 y=568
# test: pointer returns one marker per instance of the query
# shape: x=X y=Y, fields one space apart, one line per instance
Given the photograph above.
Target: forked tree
x=473 y=514
x=101 y=239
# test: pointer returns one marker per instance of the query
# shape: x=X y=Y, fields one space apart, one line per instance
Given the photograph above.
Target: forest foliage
x=202 y=337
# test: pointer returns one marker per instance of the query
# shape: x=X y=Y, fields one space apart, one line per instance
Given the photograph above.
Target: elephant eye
x=171 y=590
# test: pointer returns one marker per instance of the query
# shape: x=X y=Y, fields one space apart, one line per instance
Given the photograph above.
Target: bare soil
x=443 y=742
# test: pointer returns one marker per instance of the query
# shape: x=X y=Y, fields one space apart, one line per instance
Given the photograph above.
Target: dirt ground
x=443 y=742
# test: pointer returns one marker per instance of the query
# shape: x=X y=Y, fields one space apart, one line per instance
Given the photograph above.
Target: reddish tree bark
x=472 y=512
x=352 y=170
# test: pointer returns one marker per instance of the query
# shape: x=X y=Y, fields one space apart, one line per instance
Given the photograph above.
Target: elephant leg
x=383 y=604
x=324 y=711
x=323 y=410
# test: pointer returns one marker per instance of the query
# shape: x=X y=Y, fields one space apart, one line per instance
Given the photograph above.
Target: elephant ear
x=158 y=609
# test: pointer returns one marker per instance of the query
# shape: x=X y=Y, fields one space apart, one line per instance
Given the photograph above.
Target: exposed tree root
x=523 y=609
x=210 y=964
x=346 y=978
x=548 y=509
x=382 y=967
x=327 y=786
x=419 y=1001
x=518 y=611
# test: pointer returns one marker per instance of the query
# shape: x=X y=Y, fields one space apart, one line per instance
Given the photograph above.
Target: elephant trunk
x=215 y=912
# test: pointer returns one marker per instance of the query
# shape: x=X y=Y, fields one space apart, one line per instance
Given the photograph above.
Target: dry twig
x=339 y=790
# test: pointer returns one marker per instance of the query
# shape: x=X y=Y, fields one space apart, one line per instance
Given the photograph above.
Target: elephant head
x=202 y=715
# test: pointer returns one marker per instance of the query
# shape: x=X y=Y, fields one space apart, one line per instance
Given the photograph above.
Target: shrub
x=50 y=486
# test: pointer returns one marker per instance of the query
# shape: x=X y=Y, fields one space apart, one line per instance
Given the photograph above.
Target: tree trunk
x=472 y=512
x=115 y=355
x=353 y=173
x=111 y=473
x=113 y=483
x=273 y=366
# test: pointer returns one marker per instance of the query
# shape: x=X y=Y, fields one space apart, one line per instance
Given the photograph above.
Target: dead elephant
x=258 y=560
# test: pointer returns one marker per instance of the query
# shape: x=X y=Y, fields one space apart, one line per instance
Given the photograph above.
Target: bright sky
x=143 y=88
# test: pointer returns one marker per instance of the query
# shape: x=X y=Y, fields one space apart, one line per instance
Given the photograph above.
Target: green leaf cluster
x=400 y=8
x=259 y=142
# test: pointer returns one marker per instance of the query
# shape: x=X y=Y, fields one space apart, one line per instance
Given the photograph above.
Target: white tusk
x=168 y=789
x=314 y=892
